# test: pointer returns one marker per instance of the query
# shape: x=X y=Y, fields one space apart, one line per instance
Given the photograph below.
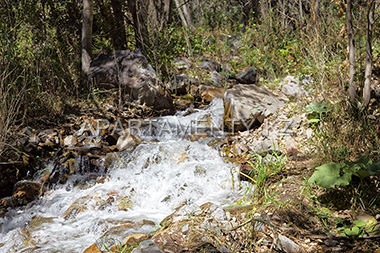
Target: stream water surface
x=143 y=186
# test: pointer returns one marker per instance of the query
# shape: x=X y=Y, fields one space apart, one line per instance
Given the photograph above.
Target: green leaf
x=314 y=120
x=360 y=223
x=319 y=107
x=351 y=232
x=329 y=174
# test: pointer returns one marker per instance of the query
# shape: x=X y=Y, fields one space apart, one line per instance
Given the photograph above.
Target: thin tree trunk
x=121 y=37
x=351 y=52
x=368 y=60
x=184 y=23
x=187 y=15
x=87 y=34
x=139 y=12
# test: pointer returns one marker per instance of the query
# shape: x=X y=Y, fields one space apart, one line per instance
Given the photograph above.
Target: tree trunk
x=187 y=15
x=87 y=34
x=183 y=19
x=121 y=37
x=247 y=7
x=351 y=52
x=368 y=60
x=139 y=10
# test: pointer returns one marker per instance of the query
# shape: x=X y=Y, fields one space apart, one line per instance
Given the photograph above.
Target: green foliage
x=331 y=174
x=262 y=169
x=316 y=110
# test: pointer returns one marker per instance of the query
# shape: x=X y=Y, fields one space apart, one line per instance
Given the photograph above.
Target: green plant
x=262 y=169
x=332 y=174
x=316 y=111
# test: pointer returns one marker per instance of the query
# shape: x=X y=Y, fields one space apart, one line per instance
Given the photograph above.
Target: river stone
x=135 y=238
x=210 y=65
x=132 y=70
x=92 y=249
x=246 y=106
x=127 y=141
x=147 y=246
x=247 y=77
x=25 y=192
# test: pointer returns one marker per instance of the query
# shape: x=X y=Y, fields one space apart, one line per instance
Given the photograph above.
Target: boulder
x=132 y=70
x=248 y=76
x=210 y=65
x=246 y=106
x=25 y=192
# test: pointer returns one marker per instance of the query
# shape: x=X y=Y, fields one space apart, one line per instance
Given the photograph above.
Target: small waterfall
x=169 y=169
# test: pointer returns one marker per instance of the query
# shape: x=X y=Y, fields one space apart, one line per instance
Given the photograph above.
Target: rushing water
x=164 y=172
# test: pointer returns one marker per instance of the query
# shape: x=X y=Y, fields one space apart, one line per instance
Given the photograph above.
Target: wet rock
x=79 y=205
x=293 y=88
x=182 y=64
x=117 y=234
x=218 y=79
x=72 y=166
x=25 y=192
x=287 y=245
x=132 y=70
x=92 y=249
x=111 y=158
x=248 y=76
x=147 y=246
x=6 y=202
x=127 y=141
x=125 y=203
x=210 y=65
x=179 y=84
x=246 y=106
x=70 y=141
x=37 y=222
x=135 y=238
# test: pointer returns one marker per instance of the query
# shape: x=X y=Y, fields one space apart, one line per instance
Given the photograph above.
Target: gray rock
x=287 y=245
x=217 y=78
x=293 y=88
x=179 y=84
x=248 y=76
x=266 y=147
x=246 y=106
x=132 y=70
x=147 y=246
x=182 y=64
x=210 y=65
x=185 y=229
x=70 y=141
